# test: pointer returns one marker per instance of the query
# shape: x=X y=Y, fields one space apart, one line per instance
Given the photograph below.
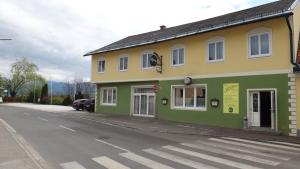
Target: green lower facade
x=252 y=95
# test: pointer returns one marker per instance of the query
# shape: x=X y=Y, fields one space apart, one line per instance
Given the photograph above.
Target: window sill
x=190 y=109
x=259 y=56
x=110 y=105
x=216 y=61
x=178 y=65
x=123 y=70
x=100 y=72
x=148 y=68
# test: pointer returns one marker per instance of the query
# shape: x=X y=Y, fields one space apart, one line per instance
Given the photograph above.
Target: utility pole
x=50 y=89
x=34 y=88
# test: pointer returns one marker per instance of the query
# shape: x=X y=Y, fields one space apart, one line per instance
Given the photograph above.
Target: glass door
x=144 y=102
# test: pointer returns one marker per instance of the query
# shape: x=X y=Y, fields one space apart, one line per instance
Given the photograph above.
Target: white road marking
x=285 y=143
x=72 y=165
x=252 y=146
x=109 y=163
x=7 y=126
x=64 y=127
x=232 y=154
x=179 y=160
x=238 y=149
x=211 y=158
x=263 y=144
x=42 y=119
x=144 y=161
x=180 y=125
x=97 y=121
x=115 y=146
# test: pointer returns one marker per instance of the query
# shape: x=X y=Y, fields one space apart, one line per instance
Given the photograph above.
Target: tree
x=44 y=94
x=21 y=73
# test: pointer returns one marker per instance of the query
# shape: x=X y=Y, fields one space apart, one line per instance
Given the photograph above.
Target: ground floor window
x=109 y=96
x=193 y=97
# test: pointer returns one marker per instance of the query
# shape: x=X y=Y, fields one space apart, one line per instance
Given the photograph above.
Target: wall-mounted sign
x=231 y=98
x=188 y=81
x=214 y=103
x=156 y=60
x=164 y=101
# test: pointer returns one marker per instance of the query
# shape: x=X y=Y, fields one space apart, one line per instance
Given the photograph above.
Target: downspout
x=292 y=60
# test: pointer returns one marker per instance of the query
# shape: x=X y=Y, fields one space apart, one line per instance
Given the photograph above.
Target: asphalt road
x=70 y=141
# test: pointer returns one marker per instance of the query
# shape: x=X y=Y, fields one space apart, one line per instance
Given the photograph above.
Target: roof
x=266 y=11
x=298 y=52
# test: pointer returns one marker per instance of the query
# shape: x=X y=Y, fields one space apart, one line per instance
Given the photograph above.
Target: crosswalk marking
x=263 y=144
x=211 y=158
x=252 y=146
x=231 y=154
x=144 y=161
x=285 y=143
x=72 y=165
x=179 y=160
x=109 y=163
x=242 y=150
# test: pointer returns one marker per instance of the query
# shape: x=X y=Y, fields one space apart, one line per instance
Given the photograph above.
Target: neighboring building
x=240 y=65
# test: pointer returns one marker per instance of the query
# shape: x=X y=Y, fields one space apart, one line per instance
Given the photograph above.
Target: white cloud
x=55 y=34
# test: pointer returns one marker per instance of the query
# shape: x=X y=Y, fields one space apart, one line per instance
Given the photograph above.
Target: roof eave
x=283 y=14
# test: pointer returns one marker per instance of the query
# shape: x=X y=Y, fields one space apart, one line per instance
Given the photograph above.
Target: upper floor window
x=216 y=50
x=177 y=56
x=101 y=66
x=123 y=63
x=146 y=60
x=260 y=43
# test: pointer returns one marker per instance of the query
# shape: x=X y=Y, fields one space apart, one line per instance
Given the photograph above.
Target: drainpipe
x=292 y=60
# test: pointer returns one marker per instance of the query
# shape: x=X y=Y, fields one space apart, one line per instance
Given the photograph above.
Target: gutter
x=296 y=68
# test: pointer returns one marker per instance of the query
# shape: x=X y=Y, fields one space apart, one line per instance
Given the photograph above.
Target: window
x=109 y=96
x=216 y=51
x=146 y=60
x=260 y=44
x=189 y=97
x=101 y=66
x=123 y=63
x=178 y=56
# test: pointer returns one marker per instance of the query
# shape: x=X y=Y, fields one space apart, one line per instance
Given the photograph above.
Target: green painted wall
x=215 y=116
x=123 y=98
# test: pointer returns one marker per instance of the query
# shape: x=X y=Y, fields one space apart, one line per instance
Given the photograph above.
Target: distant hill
x=58 y=88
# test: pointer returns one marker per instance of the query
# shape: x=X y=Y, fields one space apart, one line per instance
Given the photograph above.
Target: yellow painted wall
x=298 y=101
x=296 y=22
x=236 y=55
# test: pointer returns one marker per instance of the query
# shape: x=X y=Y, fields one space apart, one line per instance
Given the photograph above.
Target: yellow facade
x=298 y=102
x=296 y=27
x=196 y=64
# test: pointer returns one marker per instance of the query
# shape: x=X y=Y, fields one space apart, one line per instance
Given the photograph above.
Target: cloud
x=55 y=34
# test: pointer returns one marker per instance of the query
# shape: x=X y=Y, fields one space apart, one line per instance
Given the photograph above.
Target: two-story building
x=236 y=70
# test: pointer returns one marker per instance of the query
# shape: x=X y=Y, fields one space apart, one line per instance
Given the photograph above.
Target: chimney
x=162 y=27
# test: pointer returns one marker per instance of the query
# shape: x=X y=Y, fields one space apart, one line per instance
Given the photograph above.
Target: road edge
x=36 y=158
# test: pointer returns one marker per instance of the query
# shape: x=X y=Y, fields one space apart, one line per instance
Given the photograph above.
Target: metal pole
x=51 y=88
x=34 y=88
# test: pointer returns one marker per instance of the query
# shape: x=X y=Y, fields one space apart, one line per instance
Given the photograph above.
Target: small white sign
x=1 y=100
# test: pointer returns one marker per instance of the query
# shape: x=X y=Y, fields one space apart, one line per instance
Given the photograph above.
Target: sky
x=55 y=34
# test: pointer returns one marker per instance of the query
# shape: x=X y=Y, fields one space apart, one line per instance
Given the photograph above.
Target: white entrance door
x=143 y=102
x=255 y=109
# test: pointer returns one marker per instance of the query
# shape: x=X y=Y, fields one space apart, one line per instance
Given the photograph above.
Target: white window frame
x=101 y=60
x=215 y=41
x=258 y=32
x=119 y=61
x=108 y=103
x=148 y=53
x=177 y=47
x=188 y=108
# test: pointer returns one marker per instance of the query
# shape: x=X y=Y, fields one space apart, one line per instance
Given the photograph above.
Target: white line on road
x=211 y=158
x=232 y=154
x=144 y=161
x=115 y=146
x=285 y=143
x=191 y=127
x=263 y=144
x=42 y=119
x=252 y=146
x=244 y=150
x=72 y=165
x=109 y=163
x=64 y=127
x=180 y=160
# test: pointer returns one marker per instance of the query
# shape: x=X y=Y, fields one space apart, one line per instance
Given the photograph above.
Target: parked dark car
x=89 y=105
x=79 y=104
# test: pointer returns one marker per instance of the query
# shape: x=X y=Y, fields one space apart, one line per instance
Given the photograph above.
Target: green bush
x=67 y=101
x=57 y=100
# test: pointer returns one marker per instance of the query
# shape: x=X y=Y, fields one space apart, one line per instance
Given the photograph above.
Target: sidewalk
x=161 y=126
x=14 y=154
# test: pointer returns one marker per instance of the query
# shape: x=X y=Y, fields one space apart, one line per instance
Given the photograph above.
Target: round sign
x=187 y=81
x=153 y=60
